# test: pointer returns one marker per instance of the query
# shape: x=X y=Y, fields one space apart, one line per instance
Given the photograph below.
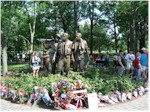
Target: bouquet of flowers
x=146 y=86
x=99 y=96
x=5 y=92
x=129 y=95
x=135 y=93
x=21 y=94
x=40 y=92
x=13 y=94
x=106 y=99
x=141 y=90
x=80 y=98
x=1 y=90
x=113 y=97
x=64 y=96
x=124 y=98
x=118 y=94
x=61 y=93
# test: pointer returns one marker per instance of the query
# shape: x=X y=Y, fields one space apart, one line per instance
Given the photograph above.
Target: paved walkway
x=139 y=104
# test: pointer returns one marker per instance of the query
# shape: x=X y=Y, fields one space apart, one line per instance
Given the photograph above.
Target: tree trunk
x=31 y=43
x=4 y=44
x=133 y=42
x=136 y=36
x=75 y=18
x=142 y=34
x=115 y=35
x=131 y=33
x=4 y=55
x=32 y=28
x=91 y=30
x=55 y=23
x=133 y=29
x=99 y=49
x=128 y=42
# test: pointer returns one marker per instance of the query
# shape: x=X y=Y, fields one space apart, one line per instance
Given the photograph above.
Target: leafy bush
x=97 y=80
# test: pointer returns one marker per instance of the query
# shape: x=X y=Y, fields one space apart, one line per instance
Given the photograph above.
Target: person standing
x=107 y=59
x=35 y=63
x=143 y=60
x=80 y=48
x=64 y=54
x=137 y=65
x=144 y=51
x=130 y=57
x=121 y=63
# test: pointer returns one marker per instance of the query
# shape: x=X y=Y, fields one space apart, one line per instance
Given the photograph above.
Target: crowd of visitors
x=130 y=63
x=136 y=65
x=102 y=60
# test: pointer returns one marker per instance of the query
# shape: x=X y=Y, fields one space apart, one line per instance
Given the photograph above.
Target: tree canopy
x=104 y=21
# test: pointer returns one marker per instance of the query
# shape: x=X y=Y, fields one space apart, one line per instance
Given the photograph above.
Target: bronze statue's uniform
x=51 y=53
x=46 y=63
x=52 y=46
x=64 y=53
x=79 y=51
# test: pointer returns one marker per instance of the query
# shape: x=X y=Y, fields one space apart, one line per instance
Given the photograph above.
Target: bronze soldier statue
x=52 y=46
x=80 y=49
x=46 y=61
x=64 y=53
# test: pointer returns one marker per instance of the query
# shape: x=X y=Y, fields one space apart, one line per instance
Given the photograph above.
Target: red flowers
x=5 y=89
x=63 y=94
x=21 y=92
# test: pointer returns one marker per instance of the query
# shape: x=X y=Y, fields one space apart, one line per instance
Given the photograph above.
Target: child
x=35 y=61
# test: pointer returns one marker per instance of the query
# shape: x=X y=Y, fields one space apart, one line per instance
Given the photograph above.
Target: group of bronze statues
x=64 y=52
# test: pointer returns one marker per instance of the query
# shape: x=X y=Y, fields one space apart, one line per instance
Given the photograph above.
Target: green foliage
x=55 y=16
x=108 y=80
x=97 y=80
x=124 y=17
x=19 y=68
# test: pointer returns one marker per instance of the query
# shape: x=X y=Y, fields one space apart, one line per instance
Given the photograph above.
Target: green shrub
x=98 y=80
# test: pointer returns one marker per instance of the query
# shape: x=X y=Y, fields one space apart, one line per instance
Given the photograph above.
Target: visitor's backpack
x=122 y=60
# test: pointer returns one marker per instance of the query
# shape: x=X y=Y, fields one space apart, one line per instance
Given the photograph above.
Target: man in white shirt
x=130 y=57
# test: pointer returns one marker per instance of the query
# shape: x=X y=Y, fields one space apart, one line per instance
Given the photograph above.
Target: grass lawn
x=24 y=67
x=19 y=68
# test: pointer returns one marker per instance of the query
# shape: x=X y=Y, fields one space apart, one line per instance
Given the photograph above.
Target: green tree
x=108 y=9
x=129 y=22
x=5 y=32
x=32 y=15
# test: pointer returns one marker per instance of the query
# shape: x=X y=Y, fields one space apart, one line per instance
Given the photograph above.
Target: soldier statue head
x=57 y=37
x=65 y=37
x=78 y=36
